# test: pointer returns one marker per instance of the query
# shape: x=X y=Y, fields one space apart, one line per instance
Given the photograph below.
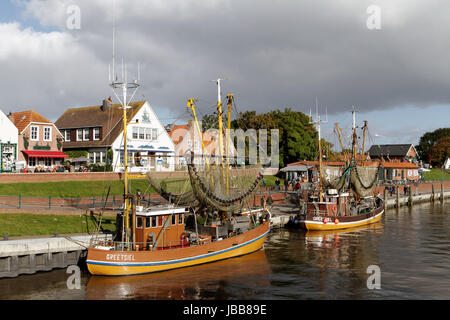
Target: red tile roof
x=22 y=119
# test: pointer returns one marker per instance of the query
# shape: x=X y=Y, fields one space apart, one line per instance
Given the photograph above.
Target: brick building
x=39 y=141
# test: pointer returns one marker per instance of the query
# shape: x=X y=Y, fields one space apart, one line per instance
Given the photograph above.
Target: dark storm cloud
x=275 y=54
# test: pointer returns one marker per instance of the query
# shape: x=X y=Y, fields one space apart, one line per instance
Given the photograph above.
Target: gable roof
x=394 y=150
x=22 y=119
x=110 y=120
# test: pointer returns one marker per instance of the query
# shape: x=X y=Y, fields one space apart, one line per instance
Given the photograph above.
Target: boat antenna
x=318 y=122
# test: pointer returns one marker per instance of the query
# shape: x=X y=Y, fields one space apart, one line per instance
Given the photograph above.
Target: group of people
x=296 y=184
x=40 y=169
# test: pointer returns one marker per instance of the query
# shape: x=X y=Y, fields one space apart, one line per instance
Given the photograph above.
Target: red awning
x=45 y=154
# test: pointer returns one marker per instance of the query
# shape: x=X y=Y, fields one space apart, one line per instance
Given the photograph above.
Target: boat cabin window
x=180 y=219
x=147 y=222
x=139 y=222
x=160 y=220
x=153 y=222
x=174 y=219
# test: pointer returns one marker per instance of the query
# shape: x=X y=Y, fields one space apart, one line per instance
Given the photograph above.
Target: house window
x=154 y=134
x=96 y=133
x=141 y=133
x=135 y=132
x=92 y=157
x=86 y=134
x=67 y=135
x=148 y=134
x=31 y=162
x=47 y=134
x=48 y=162
x=79 y=134
x=34 y=133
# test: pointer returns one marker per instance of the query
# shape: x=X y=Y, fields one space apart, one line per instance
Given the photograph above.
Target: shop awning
x=45 y=154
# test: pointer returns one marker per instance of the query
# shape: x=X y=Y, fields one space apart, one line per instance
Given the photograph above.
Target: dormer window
x=96 y=133
x=47 y=134
x=86 y=134
x=79 y=134
x=34 y=136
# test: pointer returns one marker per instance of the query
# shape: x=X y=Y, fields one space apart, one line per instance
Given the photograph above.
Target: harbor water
x=407 y=256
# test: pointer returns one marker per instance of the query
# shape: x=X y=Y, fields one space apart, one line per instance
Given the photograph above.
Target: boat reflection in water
x=330 y=238
x=212 y=280
x=336 y=249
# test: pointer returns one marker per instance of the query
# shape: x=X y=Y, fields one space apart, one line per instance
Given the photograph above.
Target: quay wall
x=28 y=256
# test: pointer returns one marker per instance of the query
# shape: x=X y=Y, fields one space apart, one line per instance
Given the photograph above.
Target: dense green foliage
x=297 y=136
x=434 y=147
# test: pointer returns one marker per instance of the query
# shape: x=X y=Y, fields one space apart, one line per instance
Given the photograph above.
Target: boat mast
x=338 y=130
x=364 y=140
x=229 y=103
x=122 y=87
x=219 y=115
x=354 y=135
x=191 y=106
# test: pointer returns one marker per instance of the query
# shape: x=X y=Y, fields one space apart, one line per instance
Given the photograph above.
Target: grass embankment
x=73 y=189
x=31 y=224
x=436 y=174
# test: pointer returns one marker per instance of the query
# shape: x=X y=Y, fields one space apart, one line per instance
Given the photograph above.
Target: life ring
x=184 y=238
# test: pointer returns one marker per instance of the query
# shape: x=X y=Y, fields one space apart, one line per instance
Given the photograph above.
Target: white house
x=98 y=131
x=447 y=163
x=9 y=135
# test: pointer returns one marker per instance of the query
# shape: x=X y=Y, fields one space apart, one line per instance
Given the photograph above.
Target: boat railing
x=105 y=244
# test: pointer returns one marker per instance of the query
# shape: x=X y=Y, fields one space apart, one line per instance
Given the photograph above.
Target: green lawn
x=33 y=224
x=436 y=174
x=73 y=189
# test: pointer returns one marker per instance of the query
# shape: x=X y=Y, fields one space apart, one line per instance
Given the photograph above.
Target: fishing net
x=224 y=189
x=174 y=189
x=363 y=179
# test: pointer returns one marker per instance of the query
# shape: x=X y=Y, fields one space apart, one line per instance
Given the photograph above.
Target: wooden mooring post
x=410 y=196
x=385 y=198
x=432 y=192
x=442 y=191
x=398 y=197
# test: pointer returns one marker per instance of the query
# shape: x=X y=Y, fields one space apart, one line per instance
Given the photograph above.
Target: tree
x=298 y=137
x=428 y=141
x=440 y=151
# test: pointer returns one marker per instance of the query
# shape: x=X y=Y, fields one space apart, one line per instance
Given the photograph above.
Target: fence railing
x=113 y=202
x=82 y=203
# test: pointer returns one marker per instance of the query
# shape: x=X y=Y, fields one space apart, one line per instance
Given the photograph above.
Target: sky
x=390 y=62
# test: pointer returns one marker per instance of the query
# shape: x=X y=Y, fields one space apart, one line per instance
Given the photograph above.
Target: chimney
x=106 y=104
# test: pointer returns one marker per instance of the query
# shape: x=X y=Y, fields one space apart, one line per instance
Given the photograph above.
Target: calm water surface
x=410 y=246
